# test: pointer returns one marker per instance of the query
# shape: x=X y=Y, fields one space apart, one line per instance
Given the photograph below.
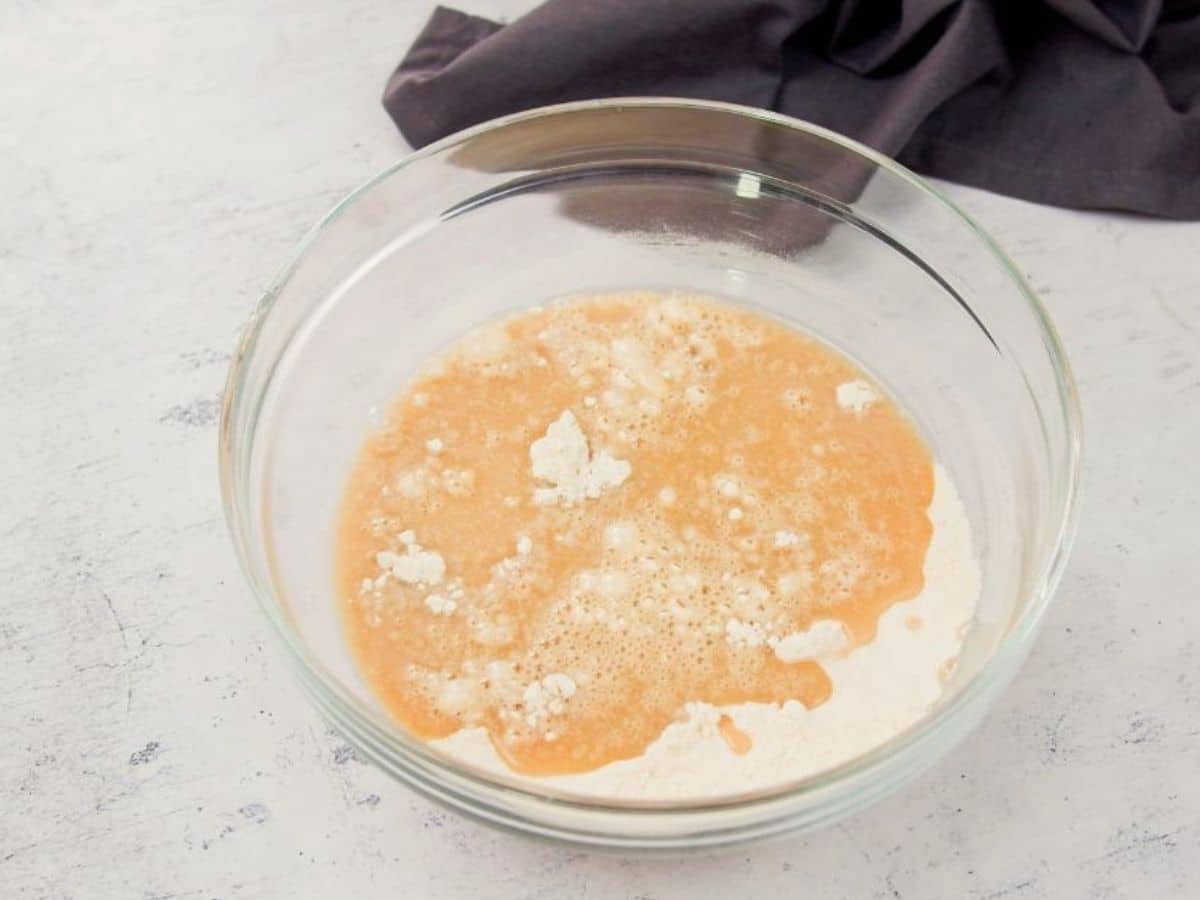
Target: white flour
x=415 y=566
x=562 y=458
x=856 y=395
x=878 y=691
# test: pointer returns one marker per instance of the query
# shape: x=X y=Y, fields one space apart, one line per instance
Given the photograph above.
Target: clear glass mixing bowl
x=756 y=208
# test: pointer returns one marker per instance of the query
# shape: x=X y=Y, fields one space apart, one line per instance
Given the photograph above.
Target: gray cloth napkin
x=1079 y=103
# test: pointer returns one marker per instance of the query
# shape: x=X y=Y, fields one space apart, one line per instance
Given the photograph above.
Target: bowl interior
x=791 y=222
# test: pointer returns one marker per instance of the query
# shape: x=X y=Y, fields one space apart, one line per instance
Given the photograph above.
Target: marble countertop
x=157 y=163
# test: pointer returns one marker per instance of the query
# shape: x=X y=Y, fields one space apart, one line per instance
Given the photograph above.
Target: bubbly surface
x=584 y=517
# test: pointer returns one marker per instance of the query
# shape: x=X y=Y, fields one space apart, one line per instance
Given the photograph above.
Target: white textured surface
x=157 y=163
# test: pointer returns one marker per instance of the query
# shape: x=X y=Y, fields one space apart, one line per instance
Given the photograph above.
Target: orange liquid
x=575 y=627
x=739 y=742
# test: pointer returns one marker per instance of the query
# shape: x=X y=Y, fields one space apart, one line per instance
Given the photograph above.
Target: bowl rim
x=336 y=703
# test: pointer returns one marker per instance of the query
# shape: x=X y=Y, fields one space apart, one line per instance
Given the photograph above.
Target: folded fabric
x=1069 y=102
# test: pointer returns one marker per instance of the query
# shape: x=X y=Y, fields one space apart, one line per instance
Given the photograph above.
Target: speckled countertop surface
x=157 y=163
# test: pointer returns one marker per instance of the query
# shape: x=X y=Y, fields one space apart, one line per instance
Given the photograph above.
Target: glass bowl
x=756 y=208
